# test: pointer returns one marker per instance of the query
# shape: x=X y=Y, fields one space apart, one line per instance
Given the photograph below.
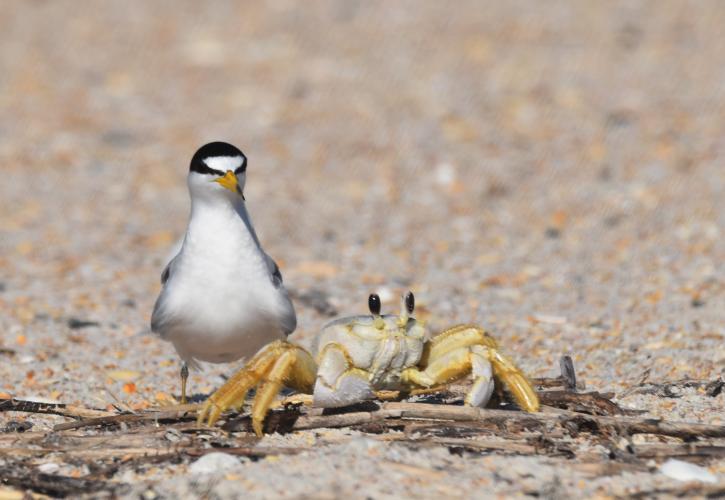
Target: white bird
x=222 y=298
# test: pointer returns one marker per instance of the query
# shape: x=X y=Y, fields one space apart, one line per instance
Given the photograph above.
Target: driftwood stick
x=49 y=484
x=313 y=419
x=610 y=468
x=689 y=450
x=691 y=489
x=175 y=414
x=51 y=409
x=486 y=444
x=548 y=382
x=643 y=425
x=682 y=430
x=340 y=420
x=674 y=389
x=584 y=402
x=626 y=425
x=87 y=454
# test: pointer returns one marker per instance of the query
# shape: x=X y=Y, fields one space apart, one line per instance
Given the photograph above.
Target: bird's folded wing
x=158 y=316
x=288 y=319
x=166 y=273
x=274 y=272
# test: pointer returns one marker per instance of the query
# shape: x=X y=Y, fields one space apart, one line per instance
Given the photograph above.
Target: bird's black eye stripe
x=243 y=167
x=203 y=168
x=215 y=150
x=374 y=303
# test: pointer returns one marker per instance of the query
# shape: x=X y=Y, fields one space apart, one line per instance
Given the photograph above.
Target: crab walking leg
x=236 y=388
x=480 y=361
x=277 y=364
x=451 y=366
x=515 y=380
x=456 y=337
x=456 y=364
x=294 y=368
x=503 y=368
x=339 y=383
x=483 y=382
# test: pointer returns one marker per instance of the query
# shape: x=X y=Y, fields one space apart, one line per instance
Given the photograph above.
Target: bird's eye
x=410 y=302
x=374 y=303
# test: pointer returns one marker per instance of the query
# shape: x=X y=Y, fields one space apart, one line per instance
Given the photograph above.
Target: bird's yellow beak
x=229 y=181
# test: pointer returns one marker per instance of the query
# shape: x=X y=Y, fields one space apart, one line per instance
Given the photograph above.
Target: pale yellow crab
x=360 y=355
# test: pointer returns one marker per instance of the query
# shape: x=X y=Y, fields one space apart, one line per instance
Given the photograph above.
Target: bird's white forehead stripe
x=223 y=163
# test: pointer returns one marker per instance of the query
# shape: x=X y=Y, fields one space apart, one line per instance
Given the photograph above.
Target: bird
x=222 y=297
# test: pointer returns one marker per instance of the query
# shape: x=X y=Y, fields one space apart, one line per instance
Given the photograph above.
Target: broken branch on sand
x=51 y=409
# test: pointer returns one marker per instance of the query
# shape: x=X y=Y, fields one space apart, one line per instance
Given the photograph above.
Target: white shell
x=685 y=471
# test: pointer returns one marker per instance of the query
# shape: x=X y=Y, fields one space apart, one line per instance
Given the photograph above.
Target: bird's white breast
x=220 y=294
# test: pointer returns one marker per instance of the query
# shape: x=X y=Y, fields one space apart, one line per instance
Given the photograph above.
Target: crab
x=359 y=356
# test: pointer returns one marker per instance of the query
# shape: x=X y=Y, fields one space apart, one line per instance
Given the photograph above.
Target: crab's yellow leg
x=447 y=368
x=294 y=368
x=515 y=380
x=455 y=338
x=234 y=391
x=277 y=362
x=467 y=349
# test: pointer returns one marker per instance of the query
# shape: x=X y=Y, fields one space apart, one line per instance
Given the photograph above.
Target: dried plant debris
x=712 y=388
x=586 y=428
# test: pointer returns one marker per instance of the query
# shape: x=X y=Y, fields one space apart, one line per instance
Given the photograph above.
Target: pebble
x=215 y=462
x=685 y=471
x=49 y=468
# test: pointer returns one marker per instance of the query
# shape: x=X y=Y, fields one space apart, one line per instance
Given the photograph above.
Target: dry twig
x=51 y=409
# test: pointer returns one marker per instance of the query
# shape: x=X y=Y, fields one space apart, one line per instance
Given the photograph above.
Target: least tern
x=222 y=298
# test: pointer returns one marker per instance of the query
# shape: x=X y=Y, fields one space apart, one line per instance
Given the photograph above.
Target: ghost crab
x=359 y=355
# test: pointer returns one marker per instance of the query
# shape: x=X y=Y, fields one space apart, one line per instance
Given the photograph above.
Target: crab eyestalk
x=374 y=306
x=407 y=306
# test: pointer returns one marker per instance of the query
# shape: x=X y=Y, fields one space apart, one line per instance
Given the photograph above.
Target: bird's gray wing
x=167 y=271
x=158 y=319
x=274 y=272
x=289 y=318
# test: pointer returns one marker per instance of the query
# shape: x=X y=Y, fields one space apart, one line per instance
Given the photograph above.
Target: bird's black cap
x=212 y=150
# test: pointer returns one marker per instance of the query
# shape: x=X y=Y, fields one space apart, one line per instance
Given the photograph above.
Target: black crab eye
x=374 y=303
x=410 y=302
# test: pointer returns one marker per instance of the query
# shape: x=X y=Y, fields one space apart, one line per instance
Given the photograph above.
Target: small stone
x=49 y=468
x=214 y=462
x=685 y=471
x=149 y=495
x=17 y=426
x=173 y=435
x=76 y=324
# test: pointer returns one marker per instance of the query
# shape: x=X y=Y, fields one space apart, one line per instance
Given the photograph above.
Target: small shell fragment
x=685 y=471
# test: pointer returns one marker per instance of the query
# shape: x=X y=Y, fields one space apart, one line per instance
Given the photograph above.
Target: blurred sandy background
x=553 y=170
